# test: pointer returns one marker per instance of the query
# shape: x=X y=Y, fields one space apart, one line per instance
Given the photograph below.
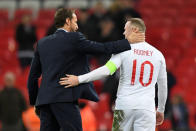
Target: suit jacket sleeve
x=35 y=73
x=92 y=47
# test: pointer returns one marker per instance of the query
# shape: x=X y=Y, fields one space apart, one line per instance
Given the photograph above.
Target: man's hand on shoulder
x=69 y=81
x=135 y=36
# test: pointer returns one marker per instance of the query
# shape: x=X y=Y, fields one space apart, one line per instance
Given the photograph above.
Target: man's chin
x=73 y=30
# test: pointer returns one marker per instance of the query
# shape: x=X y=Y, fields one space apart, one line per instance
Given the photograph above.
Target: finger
x=158 y=122
x=140 y=34
x=68 y=86
x=64 y=78
x=64 y=83
x=68 y=75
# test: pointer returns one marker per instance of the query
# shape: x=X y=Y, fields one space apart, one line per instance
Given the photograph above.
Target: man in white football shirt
x=140 y=68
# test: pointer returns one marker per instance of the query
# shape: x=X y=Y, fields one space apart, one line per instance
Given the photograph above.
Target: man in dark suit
x=62 y=53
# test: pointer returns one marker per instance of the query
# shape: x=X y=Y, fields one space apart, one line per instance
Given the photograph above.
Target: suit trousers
x=63 y=116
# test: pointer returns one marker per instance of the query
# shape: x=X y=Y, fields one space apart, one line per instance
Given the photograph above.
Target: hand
x=69 y=81
x=134 y=36
x=159 y=118
x=37 y=111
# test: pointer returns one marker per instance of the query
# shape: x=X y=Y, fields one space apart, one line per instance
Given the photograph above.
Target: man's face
x=127 y=29
x=9 y=80
x=73 y=23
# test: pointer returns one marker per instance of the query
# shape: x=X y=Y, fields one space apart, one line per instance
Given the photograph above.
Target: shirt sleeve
x=114 y=63
x=92 y=47
x=96 y=74
x=162 y=86
x=108 y=69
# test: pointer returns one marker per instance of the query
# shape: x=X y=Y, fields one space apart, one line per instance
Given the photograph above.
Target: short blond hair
x=137 y=22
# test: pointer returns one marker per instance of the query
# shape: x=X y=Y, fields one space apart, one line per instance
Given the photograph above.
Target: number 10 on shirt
x=142 y=73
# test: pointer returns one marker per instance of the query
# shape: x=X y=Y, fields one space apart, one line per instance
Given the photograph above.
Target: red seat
x=149 y=3
x=1 y=80
x=21 y=81
x=98 y=85
x=146 y=12
x=177 y=90
x=187 y=21
x=19 y=13
x=177 y=4
x=3 y=43
x=191 y=52
x=104 y=102
x=2 y=24
x=180 y=43
x=192 y=114
x=188 y=12
x=190 y=4
x=105 y=123
x=43 y=23
x=41 y=32
x=170 y=13
x=182 y=32
x=4 y=15
x=174 y=53
x=46 y=14
x=157 y=35
x=193 y=43
x=166 y=125
x=164 y=22
x=7 y=33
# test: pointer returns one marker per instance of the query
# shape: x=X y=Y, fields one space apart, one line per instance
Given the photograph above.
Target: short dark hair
x=61 y=15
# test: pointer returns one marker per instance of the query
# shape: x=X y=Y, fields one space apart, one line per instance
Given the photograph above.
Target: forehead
x=74 y=16
x=128 y=23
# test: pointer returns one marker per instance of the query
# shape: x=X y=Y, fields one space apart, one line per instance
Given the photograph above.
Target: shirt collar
x=62 y=29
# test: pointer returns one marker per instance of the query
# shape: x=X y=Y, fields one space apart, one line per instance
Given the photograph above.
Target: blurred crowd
x=98 y=24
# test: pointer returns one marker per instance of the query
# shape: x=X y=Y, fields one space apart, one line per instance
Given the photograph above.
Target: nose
x=124 y=33
x=76 y=27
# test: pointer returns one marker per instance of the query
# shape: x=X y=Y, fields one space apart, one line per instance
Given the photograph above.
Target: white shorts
x=134 y=120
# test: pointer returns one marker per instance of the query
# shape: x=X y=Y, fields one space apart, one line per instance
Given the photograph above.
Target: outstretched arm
x=91 y=47
x=108 y=69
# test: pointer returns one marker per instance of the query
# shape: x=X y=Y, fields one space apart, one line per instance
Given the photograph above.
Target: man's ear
x=68 y=21
x=134 y=29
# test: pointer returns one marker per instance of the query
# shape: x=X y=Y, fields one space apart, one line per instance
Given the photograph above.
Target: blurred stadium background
x=171 y=27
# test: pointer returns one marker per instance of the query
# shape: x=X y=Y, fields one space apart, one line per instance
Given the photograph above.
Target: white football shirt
x=140 y=68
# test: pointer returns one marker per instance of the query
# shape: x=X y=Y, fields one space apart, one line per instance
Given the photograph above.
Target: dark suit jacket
x=65 y=53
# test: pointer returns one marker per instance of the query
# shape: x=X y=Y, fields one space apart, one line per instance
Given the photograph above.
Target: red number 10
x=142 y=73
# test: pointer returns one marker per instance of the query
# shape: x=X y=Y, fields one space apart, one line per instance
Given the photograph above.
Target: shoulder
x=77 y=34
x=123 y=54
x=156 y=51
x=42 y=40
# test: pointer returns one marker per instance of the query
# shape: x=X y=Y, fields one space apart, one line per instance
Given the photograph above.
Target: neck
x=66 y=28
x=138 y=42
